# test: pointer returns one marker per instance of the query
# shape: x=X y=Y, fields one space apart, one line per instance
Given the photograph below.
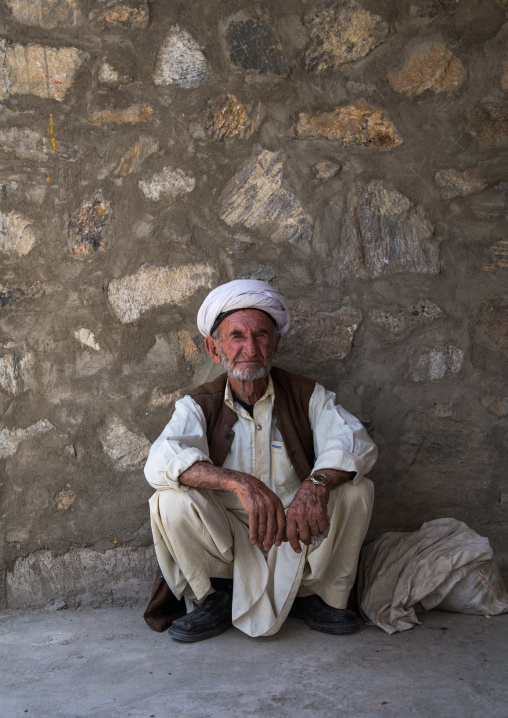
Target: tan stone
x=133 y=159
x=38 y=70
x=490 y=122
x=455 y=183
x=129 y=15
x=492 y=326
x=159 y=398
x=87 y=338
x=256 y=199
x=341 y=32
x=500 y=254
x=188 y=345
x=17 y=235
x=228 y=118
x=64 y=499
x=435 y=69
x=152 y=287
x=435 y=364
x=10 y=439
x=326 y=170
x=46 y=13
x=133 y=115
x=359 y=124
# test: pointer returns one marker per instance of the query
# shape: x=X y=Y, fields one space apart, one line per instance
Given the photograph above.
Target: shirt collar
x=228 y=396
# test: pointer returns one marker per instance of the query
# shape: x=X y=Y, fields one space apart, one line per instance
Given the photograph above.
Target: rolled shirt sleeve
x=340 y=440
x=182 y=443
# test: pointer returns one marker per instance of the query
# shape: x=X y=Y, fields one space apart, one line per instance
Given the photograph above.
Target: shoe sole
x=195 y=637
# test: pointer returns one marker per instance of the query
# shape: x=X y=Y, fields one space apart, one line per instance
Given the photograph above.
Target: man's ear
x=212 y=347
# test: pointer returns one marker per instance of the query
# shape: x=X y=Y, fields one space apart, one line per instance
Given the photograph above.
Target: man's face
x=245 y=343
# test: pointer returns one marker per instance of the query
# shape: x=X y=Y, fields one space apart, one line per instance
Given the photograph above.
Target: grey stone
x=455 y=183
x=326 y=170
x=126 y=449
x=492 y=326
x=160 y=398
x=152 y=287
x=80 y=577
x=408 y=318
x=179 y=61
x=10 y=296
x=31 y=145
x=435 y=364
x=46 y=13
x=17 y=235
x=16 y=369
x=88 y=228
x=385 y=234
x=87 y=338
x=316 y=336
x=10 y=439
x=341 y=32
x=38 y=70
x=253 y=45
x=256 y=199
x=497 y=405
x=132 y=160
x=265 y=272
x=170 y=183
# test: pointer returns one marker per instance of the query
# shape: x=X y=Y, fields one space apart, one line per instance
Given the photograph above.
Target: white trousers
x=196 y=538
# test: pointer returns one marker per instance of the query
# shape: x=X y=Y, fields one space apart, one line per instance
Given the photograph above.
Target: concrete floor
x=106 y=663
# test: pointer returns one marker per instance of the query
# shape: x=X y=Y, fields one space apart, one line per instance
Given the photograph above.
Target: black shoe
x=210 y=619
x=321 y=617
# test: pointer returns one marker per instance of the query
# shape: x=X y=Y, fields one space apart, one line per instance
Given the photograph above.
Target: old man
x=261 y=502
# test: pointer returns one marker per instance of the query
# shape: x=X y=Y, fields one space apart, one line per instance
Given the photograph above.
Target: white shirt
x=340 y=442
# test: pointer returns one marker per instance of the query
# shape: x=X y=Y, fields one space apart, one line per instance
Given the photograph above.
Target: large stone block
x=384 y=233
x=80 y=577
x=126 y=449
x=179 y=61
x=10 y=439
x=492 y=325
x=31 y=145
x=253 y=45
x=490 y=122
x=152 y=287
x=46 y=13
x=455 y=183
x=256 y=199
x=88 y=228
x=228 y=118
x=169 y=183
x=341 y=32
x=435 y=364
x=434 y=69
x=316 y=336
x=408 y=318
x=39 y=70
x=16 y=369
x=128 y=15
x=17 y=234
x=359 y=124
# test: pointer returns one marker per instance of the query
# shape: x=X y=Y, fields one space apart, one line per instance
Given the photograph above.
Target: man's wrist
x=318 y=479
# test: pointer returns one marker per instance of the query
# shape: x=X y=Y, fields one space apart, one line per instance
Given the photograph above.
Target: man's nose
x=249 y=347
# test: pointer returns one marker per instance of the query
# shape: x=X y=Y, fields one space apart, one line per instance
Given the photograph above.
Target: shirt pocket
x=283 y=473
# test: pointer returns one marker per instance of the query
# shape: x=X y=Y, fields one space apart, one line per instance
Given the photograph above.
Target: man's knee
x=355 y=497
x=179 y=509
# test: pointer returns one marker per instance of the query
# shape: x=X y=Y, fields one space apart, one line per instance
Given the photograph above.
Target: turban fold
x=243 y=294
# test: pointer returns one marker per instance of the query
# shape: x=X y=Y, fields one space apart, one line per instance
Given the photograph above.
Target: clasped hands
x=268 y=525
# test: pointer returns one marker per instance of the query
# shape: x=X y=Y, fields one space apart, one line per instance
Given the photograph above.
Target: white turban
x=243 y=294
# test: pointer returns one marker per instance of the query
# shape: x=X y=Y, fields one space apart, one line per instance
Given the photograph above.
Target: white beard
x=245 y=374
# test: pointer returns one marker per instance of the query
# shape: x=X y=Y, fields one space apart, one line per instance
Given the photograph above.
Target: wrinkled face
x=245 y=344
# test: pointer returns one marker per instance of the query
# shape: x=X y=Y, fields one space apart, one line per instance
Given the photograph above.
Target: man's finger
x=261 y=527
x=271 y=527
x=292 y=535
x=253 y=526
x=323 y=523
x=280 y=536
x=303 y=532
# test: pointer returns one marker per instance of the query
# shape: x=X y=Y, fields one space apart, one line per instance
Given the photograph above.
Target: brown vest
x=291 y=409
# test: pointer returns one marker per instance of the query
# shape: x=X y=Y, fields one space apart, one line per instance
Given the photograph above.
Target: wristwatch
x=320 y=480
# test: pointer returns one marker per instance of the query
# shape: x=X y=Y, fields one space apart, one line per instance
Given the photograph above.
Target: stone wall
x=351 y=152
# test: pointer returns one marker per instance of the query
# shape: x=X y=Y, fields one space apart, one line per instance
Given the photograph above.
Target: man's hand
x=267 y=521
x=306 y=516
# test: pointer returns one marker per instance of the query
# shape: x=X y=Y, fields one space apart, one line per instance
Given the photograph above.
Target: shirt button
x=258 y=427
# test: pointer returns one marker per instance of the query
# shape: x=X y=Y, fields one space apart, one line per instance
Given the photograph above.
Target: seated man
x=259 y=478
